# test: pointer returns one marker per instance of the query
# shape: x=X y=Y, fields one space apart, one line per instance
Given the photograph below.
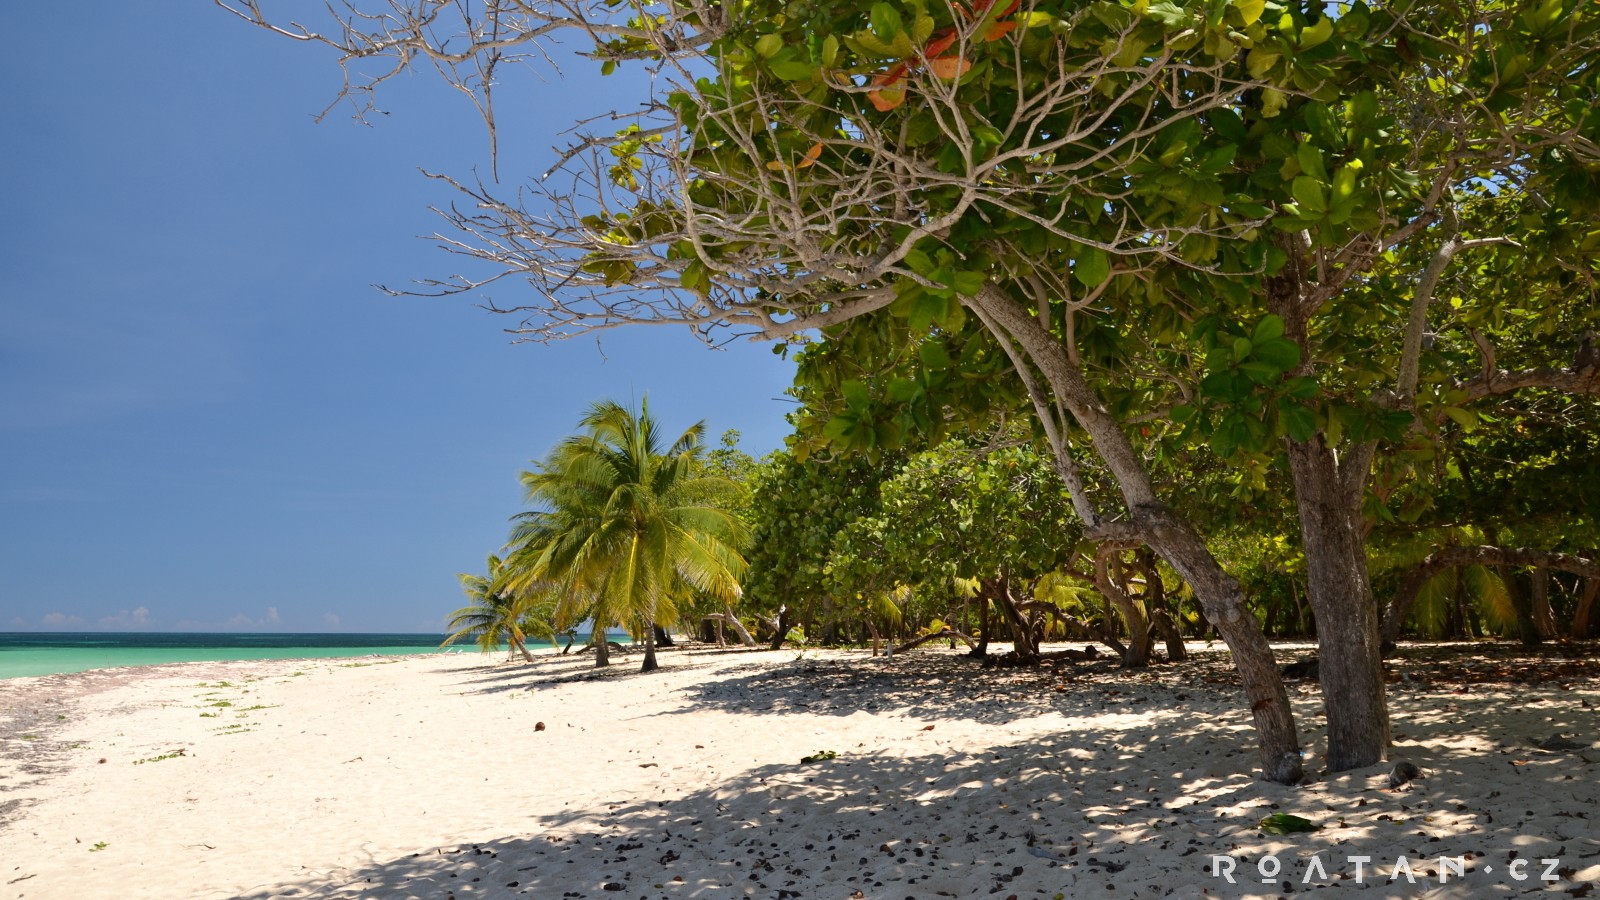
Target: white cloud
x=330 y=620
x=242 y=622
x=138 y=618
x=55 y=618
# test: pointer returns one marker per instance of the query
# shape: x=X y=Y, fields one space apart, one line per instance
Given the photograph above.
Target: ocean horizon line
x=35 y=653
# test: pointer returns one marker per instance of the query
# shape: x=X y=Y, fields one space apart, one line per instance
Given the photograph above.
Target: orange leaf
x=999 y=30
x=811 y=156
x=885 y=100
x=949 y=67
x=940 y=44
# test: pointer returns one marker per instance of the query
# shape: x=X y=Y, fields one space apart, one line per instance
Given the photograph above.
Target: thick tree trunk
x=982 y=650
x=1155 y=601
x=1151 y=521
x=1583 y=618
x=1544 y=618
x=1527 y=630
x=1022 y=640
x=1339 y=591
x=782 y=626
x=522 y=647
x=602 y=649
x=663 y=638
x=1114 y=587
x=1223 y=603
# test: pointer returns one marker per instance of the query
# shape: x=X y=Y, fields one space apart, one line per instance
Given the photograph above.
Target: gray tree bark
x=1154 y=523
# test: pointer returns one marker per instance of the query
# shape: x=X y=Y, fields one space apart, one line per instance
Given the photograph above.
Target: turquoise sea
x=49 y=653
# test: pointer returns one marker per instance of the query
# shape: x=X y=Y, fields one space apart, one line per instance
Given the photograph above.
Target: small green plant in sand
x=245 y=709
x=32 y=737
x=210 y=715
x=235 y=728
x=98 y=846
x=819 y=756
x=221 y=703
x=173 y=755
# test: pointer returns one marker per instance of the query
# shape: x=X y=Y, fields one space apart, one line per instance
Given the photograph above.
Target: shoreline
x=340 y=778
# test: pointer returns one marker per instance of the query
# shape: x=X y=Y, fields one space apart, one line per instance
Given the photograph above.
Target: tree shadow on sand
x=1131 y=806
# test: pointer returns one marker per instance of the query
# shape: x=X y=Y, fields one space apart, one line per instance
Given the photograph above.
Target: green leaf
x=1260 y=61
x=919 y=262
x=1344 y=180
x=1310 y=194
x=1310 y=159
x=1269 y=328
x=926 y=311
x=1272 y=101
x=1182 y=413
x=1092 y=267
x=1228 y=124
x=768 y=45
x=1167 y=13
x=1466 y=418
x=792 y=69
x=855 y=394
x=1283 y=823
x=1316 y=34
x=1260 y=372
x=886 y=22
x=1241 y=349
x=1250 y=10
x=934 y=356
x=830 y=50
x=968 y=284
x=1301 y=387
x=1278 y=353
x=1298 y=422
x=902 y=390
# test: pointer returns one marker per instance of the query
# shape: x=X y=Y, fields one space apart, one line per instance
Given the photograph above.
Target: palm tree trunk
x=650 y=664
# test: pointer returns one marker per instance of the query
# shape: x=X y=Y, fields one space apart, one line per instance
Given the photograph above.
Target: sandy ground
x=431 y=777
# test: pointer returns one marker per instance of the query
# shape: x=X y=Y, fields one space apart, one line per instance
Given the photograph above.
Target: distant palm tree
x=496 y=614
x=625 y=526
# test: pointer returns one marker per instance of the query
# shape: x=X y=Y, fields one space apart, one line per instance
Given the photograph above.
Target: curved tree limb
x=1450 y=557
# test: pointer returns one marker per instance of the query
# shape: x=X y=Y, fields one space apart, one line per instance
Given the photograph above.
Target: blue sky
x=208 y=418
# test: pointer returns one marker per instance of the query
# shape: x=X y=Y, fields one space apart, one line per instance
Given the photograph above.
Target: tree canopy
x=1233 y=215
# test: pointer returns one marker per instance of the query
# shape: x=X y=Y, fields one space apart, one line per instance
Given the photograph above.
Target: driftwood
x=613 y=646
x=1449 y=557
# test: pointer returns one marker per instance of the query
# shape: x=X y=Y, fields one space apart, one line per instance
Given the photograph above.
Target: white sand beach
x=431 y=777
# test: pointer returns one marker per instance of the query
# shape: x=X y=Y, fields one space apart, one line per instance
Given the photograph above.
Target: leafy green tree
x=495 y=615
x=998 y=515
x=1182 y=206
x=627 y=525
x=797 y=508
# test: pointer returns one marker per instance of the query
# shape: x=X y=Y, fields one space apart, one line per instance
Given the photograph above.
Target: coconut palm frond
x=1430 y=612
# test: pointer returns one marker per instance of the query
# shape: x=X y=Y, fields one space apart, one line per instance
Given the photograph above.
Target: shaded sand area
x=430 y=777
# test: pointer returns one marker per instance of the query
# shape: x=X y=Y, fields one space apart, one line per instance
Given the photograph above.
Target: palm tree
x=626 y=527
x=496 y=613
